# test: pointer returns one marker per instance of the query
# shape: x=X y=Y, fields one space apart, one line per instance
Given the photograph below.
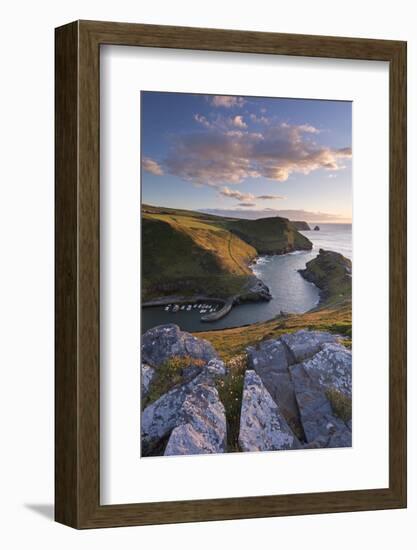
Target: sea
x=290 y=292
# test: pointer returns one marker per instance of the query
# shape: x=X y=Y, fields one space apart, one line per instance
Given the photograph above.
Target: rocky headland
x=331 y=272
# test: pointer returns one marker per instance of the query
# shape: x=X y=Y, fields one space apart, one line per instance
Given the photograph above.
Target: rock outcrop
x=270 y=361
x=262 y=426
x=189 y=418
x=195 y=409
x=297 y=393
x=147 y=374
x=305 y=343
x=167 y=341
x=308 y=375
x=318 y=419
x=201 y=424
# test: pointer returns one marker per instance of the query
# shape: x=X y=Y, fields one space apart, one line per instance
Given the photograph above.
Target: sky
x=248 y=156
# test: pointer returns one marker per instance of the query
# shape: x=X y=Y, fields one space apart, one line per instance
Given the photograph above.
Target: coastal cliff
x=301 y=226
x=188 y=253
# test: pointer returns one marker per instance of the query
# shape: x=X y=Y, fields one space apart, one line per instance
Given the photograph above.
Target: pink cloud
x=226 y=101
x=220 y=157
x=239 y=122
x=152 y=166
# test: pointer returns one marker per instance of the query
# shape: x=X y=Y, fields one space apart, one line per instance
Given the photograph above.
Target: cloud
x=259 y=119
x=247 y=204
x=152 y=166
x=239 y=122
x=295 y=215
x=226 y=101
x=229 y=157
x=246 y=197
x=226 y=192
x=269 y=197
x=308 y=129
x=201 y=119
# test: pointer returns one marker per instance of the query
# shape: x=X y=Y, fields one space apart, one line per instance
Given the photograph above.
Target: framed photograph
x=230 y=274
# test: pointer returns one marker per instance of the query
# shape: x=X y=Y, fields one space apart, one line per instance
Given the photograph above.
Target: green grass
x=168 y=375
x=186 y=256
x=230 y=390
x=341 y=404
x=233 y=341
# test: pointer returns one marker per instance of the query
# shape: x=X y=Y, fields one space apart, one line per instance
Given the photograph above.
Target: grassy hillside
x=183 y=256
x=190 y=253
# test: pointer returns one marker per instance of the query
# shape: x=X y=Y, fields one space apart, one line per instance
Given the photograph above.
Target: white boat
x=167 y=308
x=189 y=308
x=175 y=308
x=182 y=307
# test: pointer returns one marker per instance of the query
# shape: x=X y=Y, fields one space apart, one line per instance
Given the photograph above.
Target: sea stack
x=317 y=228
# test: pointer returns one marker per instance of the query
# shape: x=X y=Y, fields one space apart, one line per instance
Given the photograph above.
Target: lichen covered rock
x=201 y=424
x=196 y=404
x=147 y=374
x=305 y=343
x=262 y=426
x=167 y=341
x=270 y=361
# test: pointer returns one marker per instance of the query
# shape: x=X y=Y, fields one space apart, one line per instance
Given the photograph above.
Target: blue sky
x=247 y=156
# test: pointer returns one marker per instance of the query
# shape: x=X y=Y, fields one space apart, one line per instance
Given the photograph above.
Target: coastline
x=254 y=291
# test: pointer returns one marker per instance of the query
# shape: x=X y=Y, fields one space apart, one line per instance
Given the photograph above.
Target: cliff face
x=270 y=235
x=188 y=253
x=301 y=226
x=332 y=274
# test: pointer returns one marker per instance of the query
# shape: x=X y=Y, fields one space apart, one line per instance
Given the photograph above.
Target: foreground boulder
x=147 y=375
x=202 y=424
x=167 y=341
x=316 y=412
x=331 y=368
x=262 y=426
x=308 y=375
x=305 y=343
x=270 y=361
x=323 y=384
x=196 y=405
